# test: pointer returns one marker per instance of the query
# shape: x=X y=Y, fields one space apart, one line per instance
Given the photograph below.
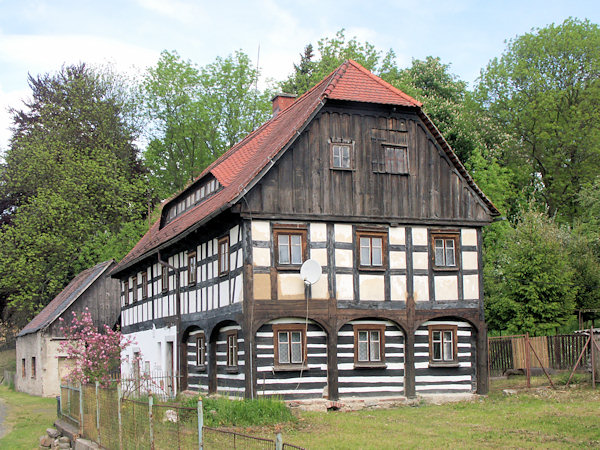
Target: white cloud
x=182 y=11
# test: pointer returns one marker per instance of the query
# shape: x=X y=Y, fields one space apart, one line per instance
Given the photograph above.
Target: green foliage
x=531 y=281
x=72 y=177
x=545 y=91
x=222 y=411
x=196 y=113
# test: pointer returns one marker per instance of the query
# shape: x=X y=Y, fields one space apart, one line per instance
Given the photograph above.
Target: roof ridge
x=385 y=84
x=338 y=73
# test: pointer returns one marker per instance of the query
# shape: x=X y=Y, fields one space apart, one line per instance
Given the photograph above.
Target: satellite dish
x=310 y=271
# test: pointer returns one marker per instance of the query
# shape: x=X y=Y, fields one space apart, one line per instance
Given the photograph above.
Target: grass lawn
x=548 y=419
x=7 y=360
x=27 y=418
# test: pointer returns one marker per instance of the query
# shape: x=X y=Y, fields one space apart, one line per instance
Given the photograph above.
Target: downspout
x=177 y=312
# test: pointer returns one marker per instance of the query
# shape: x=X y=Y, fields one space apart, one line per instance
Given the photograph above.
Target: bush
x=578 y=378
x=247 y=412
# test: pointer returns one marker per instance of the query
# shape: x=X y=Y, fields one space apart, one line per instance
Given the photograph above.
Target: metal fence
x=107 y=416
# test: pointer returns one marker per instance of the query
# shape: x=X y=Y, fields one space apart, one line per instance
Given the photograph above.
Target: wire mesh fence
x=115 y=420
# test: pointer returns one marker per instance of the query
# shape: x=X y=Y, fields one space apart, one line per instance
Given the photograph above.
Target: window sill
x=372 y=269
x=290 y=367
x=449 y=364
x=344 y=169
x=289 y=267
x=445 y=269
x=201 y=368
x=372 y=365
x=232 y=369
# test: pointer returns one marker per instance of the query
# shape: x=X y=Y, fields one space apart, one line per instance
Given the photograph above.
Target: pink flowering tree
x=96 y=355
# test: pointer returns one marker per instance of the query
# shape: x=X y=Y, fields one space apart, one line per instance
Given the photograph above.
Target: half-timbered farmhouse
x=355 y=176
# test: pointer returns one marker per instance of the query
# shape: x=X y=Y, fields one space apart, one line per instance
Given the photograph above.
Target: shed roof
x=66 y=298
x=238 y=169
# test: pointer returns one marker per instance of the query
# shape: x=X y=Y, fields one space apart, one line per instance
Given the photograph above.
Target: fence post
x=150 y=402
x=80 y=409
x=592 y=357
x=278 y=442
x=527 y=360
x=98 y=414
x=119 y=415
x=200 y=423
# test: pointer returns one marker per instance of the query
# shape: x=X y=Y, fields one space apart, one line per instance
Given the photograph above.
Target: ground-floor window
x=290 y=345
x=369 y=345
x=442 y=344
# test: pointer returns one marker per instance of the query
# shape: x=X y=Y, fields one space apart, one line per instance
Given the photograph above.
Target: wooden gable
x=429 y=189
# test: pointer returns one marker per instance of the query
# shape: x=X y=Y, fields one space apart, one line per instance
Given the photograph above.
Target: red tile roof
x=65 y=298
x=239 y=167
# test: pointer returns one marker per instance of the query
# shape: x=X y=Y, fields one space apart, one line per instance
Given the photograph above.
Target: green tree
x=531 y=285
x=545 y=91
x=72 y=179
x=196 y=113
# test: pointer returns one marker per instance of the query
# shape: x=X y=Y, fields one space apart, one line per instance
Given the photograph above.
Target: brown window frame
x=33 y=368
x=350 y=146
x=443 y=362
x=289 y=328
x=232 y=357
x=144 y=284
x=125 y=291
x=445 y=236
x=23 y=368
x=290 y=230
x=380 y=328
x=370 y=234
x=164 y=277
x=192 y=271
x=222 y=256
x=134 y=289
x=201 y=351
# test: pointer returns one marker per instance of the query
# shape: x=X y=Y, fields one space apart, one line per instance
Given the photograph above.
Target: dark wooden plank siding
x=301 y=181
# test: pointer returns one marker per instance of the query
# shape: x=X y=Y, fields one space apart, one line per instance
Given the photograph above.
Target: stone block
x=52 y=432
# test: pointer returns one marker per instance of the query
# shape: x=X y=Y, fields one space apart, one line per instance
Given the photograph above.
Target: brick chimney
x=281 y=102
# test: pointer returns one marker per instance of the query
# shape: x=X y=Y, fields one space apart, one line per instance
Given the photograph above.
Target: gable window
x=291 y=246
x=223 y=255
x=372 y=249
x=390 y=158
x=192 y=268
x=341 y=156
x=33 y=367
x=369 y=345
x=442 y=345
x=232 y=351
x=200 y=350
x=445 y=250
x=164 y=276
x=289 y=345
x=144 y=284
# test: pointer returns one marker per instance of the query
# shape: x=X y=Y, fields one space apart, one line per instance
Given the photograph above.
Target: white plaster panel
x=261 y=256
x=344 y=287
x=397 y=236
x=152 y=347
x=233 y=235
x=371 y=287
x=419 y=236
x=261 y=230
x=320 y=290
x=343 y=258
x=421 y=288
x=342 y=232
x=291 y=284
x=471 y=287
x=398 y=287
x=318 y=232
x=237 y=294
x=446 y=287
x=420 y=260
x=469 y=261
x=319 y=255
x=397 y=260
x=469 y=236
x=224 y=293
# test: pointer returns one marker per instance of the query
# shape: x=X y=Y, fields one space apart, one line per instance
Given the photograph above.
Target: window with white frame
x=341 y=156
x=445 y=250
x=372 y=248
x=289 y=345
x=369 y=345
x=290 y=246
x=442 y=344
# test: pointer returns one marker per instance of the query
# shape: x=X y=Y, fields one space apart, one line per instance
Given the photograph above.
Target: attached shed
x=40 y=365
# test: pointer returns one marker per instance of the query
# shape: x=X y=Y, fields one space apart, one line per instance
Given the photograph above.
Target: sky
x=39 y=36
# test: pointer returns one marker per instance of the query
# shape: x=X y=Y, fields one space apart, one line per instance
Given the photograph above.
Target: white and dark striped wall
x=197 y=375
x=229 y=380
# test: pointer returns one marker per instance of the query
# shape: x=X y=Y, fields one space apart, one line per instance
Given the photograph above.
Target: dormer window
x=194 y=196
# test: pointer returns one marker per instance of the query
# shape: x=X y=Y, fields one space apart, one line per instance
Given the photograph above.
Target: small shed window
x=341 y=156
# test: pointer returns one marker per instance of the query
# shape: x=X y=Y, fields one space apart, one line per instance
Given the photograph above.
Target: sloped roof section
x=244 y=163
x=66 y=298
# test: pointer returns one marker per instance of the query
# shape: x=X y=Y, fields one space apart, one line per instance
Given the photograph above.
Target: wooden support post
x=278 y=442
x=527 y=361
x=409 y=364
x=332 y=366
x=483 y=373
x=542 y=365
x=578 y=360
x=592 y=358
